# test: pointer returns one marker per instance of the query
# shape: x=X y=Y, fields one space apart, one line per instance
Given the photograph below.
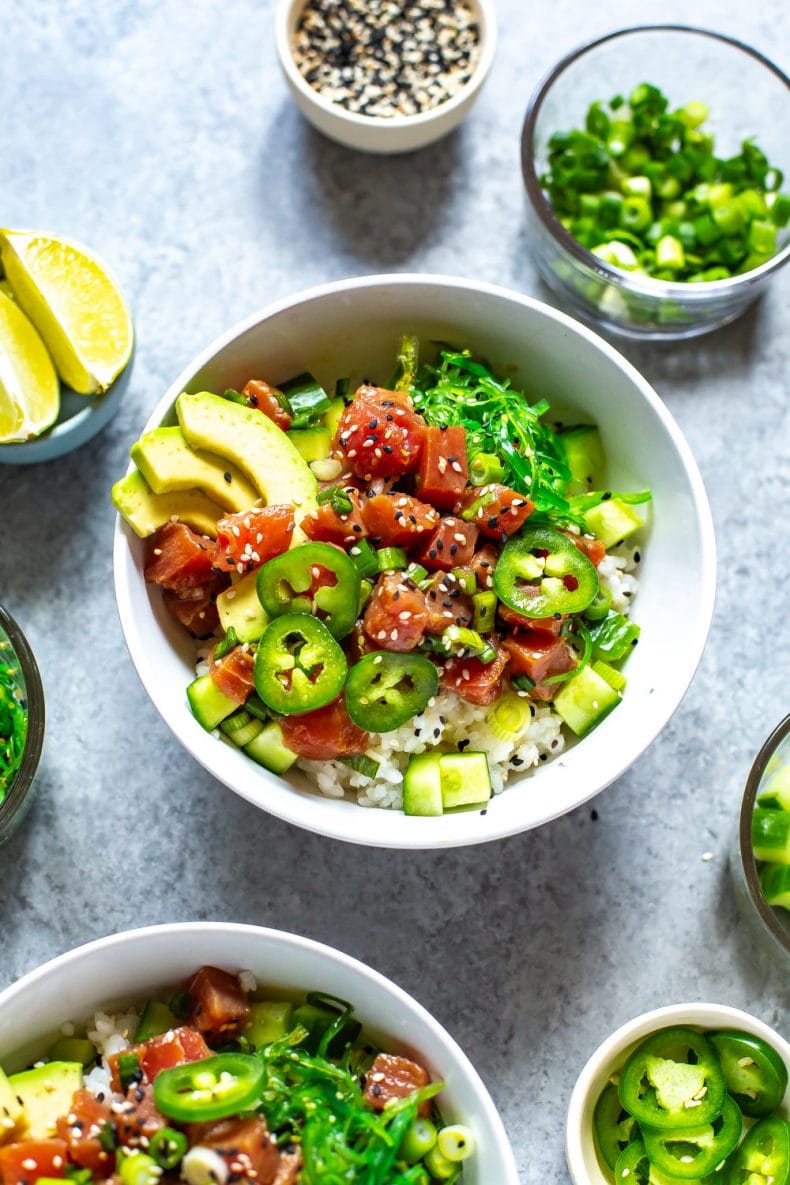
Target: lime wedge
x=75 y=305
x=29 y=387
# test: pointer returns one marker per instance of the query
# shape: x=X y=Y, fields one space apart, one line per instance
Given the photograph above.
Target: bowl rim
x=382 y=985
x=486 y=20
x=748 y=862
x=696 y=1014
x=292 y=813
x=17 y=794
x=657 y=289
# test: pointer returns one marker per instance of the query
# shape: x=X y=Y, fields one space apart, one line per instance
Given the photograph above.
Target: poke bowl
x=132 y=1022
x=353 y=331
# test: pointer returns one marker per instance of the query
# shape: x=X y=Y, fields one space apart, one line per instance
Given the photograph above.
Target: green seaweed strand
x=13 y=716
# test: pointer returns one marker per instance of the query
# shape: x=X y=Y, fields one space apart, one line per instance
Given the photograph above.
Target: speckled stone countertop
x=160 y=132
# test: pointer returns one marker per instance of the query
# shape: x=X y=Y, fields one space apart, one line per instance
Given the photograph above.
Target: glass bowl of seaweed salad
x=21 y=724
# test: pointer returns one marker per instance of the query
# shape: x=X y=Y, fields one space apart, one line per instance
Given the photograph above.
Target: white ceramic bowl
x=583 y=1163
x=129 y=966
x=353 y=328
x=402 y=133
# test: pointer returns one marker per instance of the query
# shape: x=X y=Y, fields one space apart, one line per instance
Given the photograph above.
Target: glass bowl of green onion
x=654 y=160
x=760 y=854
x=21 y=724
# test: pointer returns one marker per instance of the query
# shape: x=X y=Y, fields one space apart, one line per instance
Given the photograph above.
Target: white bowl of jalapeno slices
x=468 y=659
x=690 y=1092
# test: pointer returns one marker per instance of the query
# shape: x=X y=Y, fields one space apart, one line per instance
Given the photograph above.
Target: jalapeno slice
x=673 y=1080
x=315 y=578
x=692 y=1152
x=634 y=1168
x=298 y=665
x=213 y=1088
x=541 y=572
x=614 y=1128
x=385 y=689
x=755 y=1074
x=764 y=1155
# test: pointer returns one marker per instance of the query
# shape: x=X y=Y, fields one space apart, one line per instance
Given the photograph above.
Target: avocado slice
x=238 y=606
x=11 y=1114
x=146 y=512
x=45 y=1094
x=168 y=463
x=253 y=442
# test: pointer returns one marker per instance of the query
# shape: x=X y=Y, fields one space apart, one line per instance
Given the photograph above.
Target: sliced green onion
x=337 y=498
x=256 y=707
x=616 y=679
x=390 y=559
x=228 y=643
x=510 y=717
x=364 y=557
x=456 y=1142
x=485 y=604
x=416 y=572
x=365 y=590
x=362 y=764
x=129 y=1070
x=306 y=399
x=485 y=468
x=467 y=581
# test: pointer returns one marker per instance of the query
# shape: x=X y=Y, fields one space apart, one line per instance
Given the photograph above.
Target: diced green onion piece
x=390 y=559
x=241 y=728
x=337 y=498
x=365 y=590
x=416 y=572
x=457 y=639
x=439 y=1166
x=256 y=707
x=617 y=254
x=139 y=1169
x=456 y=1142
x=128 y=1069
x=510 y=717
x=467 y=580
x=638 y=187
x=762 y=237
x=485 y=611
x=228 y=643
x=236 y=721
x=693 y=113
x=485 y=468
x=600 y=604
x=669 y=253
x=364 y=558
x=418 y=1139
x=616 y=679
x=362 y=764
x=780 y=209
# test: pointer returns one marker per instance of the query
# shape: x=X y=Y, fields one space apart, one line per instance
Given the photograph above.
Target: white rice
x=449 y=720
x=111 y=1033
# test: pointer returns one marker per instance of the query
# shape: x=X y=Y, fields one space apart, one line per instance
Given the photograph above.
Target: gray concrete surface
x=160 y=132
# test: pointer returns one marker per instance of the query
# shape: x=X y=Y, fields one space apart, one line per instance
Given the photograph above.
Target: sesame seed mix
x=385 y=58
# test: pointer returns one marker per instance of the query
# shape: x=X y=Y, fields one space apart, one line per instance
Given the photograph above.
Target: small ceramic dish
x=583 y=1163
x=770 y=925
x=81 y=417
x=125 y=968
x=19 y=794
x=401 y=133
x=748 y=96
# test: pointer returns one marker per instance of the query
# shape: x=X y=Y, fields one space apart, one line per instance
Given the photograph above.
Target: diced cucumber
x=613 y=677
x=584 y=457
x=422 y=785
x=585 y=700
x=771 y=835
x=268 y=749
x=209 y=705
x=612 y=521
x=314 y=444
x=69 y=1049
x=241 y=728
x=465 y=778
x=775 y=882
x=156 y=1018
x=332 y=415
x=269 y=1020
x=776 y=792
x=238 y=606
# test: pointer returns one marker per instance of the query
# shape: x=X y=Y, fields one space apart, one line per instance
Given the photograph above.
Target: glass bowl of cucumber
x=653 y=179
x=761 y=860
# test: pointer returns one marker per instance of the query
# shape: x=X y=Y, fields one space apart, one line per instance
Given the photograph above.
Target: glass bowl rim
x=748 y=862
x=650 y=288
x=34 y=690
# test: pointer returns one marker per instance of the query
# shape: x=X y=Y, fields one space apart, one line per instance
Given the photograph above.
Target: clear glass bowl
x=747 y=95
x=19 y=794
x=770 y=925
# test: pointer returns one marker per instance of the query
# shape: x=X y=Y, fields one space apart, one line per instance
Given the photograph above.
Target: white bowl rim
x=488 y=37
x=381 y=983
x=305 y=819
x=693 y=1015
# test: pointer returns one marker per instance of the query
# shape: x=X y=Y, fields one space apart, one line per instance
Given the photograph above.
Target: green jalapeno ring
x=298 y=665
x=755 y=1073
x=613 y=1127
x=541 y=572
x=385 y=689
x=284 y=586
x=764 y=1153
x=690 y=1153
x=662 y=1087
x=213 y=1088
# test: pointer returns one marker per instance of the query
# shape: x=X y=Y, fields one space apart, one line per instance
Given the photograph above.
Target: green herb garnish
x=13 y=716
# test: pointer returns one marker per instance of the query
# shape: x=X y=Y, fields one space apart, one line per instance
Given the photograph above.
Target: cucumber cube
x=209 y=705
x=775 y=882
x=585 y=700
x=466 y=780
x=422 y=785
x=771 y=835
x=269 y=750
x=612 y=521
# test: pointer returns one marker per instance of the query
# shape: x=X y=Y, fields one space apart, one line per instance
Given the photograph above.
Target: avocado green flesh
x=238 y=606
x=254 y=443
x=45 y=1094
x=10 y=1109
x=146 y=512
x=168 y=463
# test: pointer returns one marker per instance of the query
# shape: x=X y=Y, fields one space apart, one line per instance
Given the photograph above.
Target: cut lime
x=29 y=387
x=75 y=305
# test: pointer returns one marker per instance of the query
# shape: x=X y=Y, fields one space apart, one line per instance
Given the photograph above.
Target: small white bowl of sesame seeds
x=385 y=75
x=585 y=1165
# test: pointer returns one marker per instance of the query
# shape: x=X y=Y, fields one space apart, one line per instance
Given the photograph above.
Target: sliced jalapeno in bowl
x=614 y=1128
x=317 y=579
x=673 y=1080
x=764 y=1155
x=385 y=689
x=209 y=1089
x=541 y=572
x=690 y=1153
x=755 y=1074
x=298 y=665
